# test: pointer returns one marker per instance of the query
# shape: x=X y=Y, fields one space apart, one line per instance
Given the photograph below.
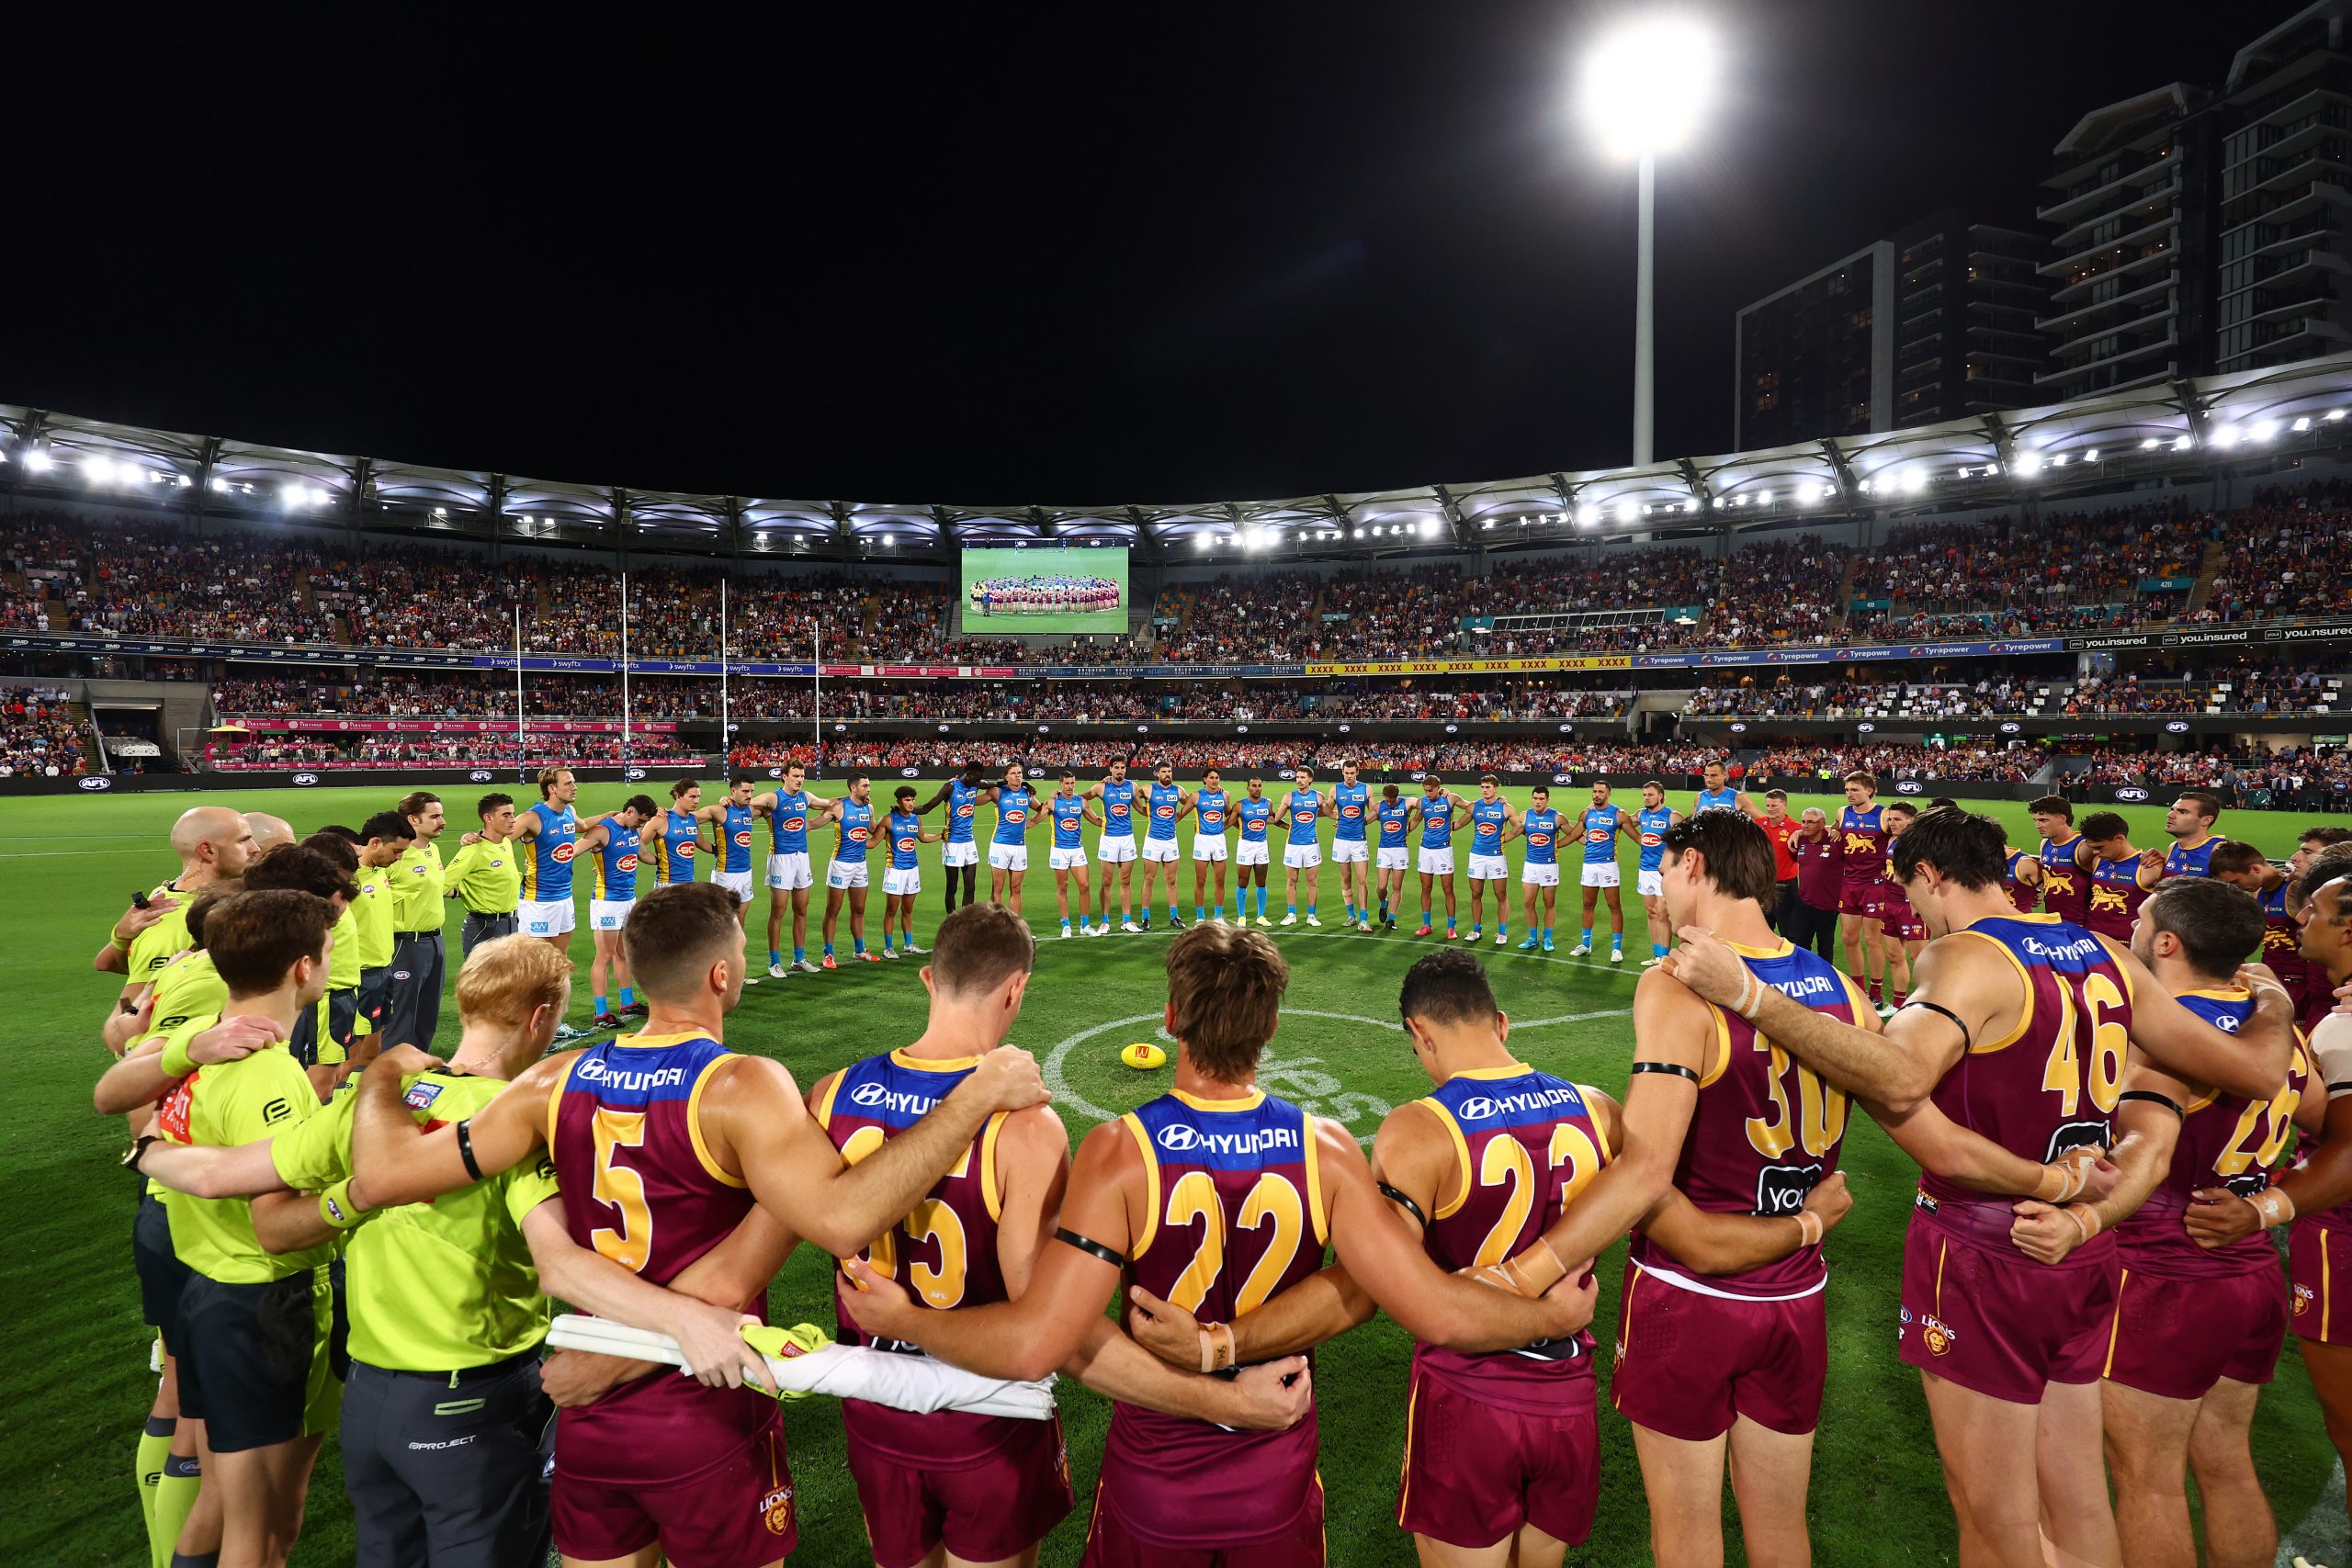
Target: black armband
x=1069 y=1238
x=1393 y=1195
x=1676 y=1068
x=2152 y=1098
x=1967 y=1043
x=466 y=1149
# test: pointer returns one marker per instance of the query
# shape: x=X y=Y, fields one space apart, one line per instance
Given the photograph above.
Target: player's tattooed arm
x=1898 y=1069
x=1268 y=1397
x=753 y=1112
x=1068 y=1287
x=1671 y=1029
x=1454 y=1310
x=394 y=1160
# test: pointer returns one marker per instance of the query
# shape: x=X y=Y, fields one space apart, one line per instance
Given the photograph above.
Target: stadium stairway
x=2202 y=589
x=1845 y=599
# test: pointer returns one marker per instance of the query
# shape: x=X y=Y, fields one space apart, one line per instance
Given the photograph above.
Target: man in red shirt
x=1780 y=827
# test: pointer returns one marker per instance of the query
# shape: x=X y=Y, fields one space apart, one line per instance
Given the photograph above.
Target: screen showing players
x=1045 y=590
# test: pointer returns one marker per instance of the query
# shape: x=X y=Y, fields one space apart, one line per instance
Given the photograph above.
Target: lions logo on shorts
x=561 y=854
x=775 y=1511
x=2303 y=1298
x=1936 y=1335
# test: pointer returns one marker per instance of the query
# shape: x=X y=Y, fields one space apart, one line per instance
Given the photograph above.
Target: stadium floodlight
x=2091 y=456
x=2334 y=414
x=2184 y=443
x=2265 y=430
x=1625 y=511
x=1644 y=87
x=2301 y=425
x=2058 y=461
x=1587 y=515
x=1764 y=498
x=1915 y=480
x=2150 y=445
x=97 y=470
x=2226 y=436
x=1202 y=541
x=38 y=461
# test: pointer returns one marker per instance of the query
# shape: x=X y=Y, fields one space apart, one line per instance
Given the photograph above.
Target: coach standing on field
x=1813 y=921
x=418 y=958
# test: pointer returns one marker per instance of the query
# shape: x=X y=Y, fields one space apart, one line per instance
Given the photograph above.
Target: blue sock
x=801 y=955
x=601 y=1009
x=858 y=945
x=886 y=939
x=1548 y=934
x=828 y=949
x=1501 y=931
x=1310 y=911
x=1449 y=922
x=1351 y=912
x=775 y=957
x=628 y=996
x=1293 y=908
x=1173 y=912
x=1617 y=940
x=1587 y=936
x=1262 y=903
x=1658 y=950
x=1200 y=913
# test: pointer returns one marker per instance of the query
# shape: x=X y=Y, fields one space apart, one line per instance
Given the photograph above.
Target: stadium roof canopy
x=2174 y=431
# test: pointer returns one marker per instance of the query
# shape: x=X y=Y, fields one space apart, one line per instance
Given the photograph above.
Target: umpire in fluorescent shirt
x=414 y=1001
x=487 y=873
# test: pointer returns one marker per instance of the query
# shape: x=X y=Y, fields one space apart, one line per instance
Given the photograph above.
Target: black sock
x=196 y=1560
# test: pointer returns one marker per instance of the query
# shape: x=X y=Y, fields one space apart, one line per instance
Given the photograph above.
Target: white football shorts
x=1347 y=851
x=1065 y=860
x=1009 y=857
x=1488 y=868
x=902 y=882
x=1602 y=876
x=1650 y=884
x=965 y=853
x=1110 y=849
x=1534 y=876
x=845 y=874
x=1206 y=848
x=738 y=882
x=1159 y=849
x=553 y=918
x=609 y=914
x=1395 y=857
x=1300 y=857
x=788 y=871
x=1436 y=861
x=1252 y=852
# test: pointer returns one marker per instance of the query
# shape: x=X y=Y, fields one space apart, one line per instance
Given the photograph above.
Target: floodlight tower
x=1644 y=87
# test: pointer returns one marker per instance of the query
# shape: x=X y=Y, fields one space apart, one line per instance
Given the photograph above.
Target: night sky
x=1124 y=253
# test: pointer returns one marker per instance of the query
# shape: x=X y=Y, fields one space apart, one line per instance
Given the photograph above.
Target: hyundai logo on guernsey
x=1479 y=1108
x=875 y=1096
x=94 y=781
x=1180 y=1137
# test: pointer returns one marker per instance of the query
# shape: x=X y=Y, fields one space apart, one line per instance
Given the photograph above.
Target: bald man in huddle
x=214 y=844
x=268 y=831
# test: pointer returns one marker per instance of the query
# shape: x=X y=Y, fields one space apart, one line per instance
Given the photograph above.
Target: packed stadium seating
x=41 y=736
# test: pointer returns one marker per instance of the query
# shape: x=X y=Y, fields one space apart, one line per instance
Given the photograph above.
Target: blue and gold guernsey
x=1600 y=826
x=1650 y=825
x=906 y=840
x=1166 y=800
x=2182 y=861
x=1525 y=1144
x=1392 y=815
x=1232 y=1205
x=735 y=823
x=1255 y=817
x=788 y=823
x=1068 y=812
x=1118 y=808
x=681 y=842
x=1306 y=806
x=1350 y=803
x=963 y=800
x=1208 y=813
x=944 y=1251
x=1437 y=821
x=1014 y=808
x=856 y=832
x=1541 y=830
x=1486 y=819
x=1723 y=799
x=546 y=875
x=616 y=864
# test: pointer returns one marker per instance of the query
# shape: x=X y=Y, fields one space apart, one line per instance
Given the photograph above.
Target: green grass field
x=76 y=1384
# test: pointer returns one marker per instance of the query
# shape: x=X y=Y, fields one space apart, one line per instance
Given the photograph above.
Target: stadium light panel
x=2184 y=443
x=2058 y=461
x=1587 y=515
x=1626 y=513
x=2227 y=436
x=97 y=470
x=2265 y=430
x=2301 y=425
x=39 y=462
x=2091 y=456
x=2150 y=445
x=2334 y=414
x=1202 y=541
x=1864 y=487
x=1763 y=498
x=1647 y=84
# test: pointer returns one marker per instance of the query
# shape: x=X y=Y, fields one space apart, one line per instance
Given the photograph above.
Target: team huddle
x=339 y=1230
x=1042 y=594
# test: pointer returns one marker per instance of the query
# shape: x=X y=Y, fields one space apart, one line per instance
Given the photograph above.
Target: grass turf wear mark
x=79 y=1386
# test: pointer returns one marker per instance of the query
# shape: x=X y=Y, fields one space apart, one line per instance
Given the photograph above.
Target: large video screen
x=1059 y=589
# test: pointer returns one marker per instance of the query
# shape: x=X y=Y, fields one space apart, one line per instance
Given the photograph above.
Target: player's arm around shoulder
x=394 y=1160
x=2252 y=1063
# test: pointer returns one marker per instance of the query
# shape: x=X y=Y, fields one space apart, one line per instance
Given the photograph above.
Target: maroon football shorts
x=1862 y=901
x=2176 y=1338
x=1689 y=1365
x=1903 y=922
x=735 y=1512
x=1110 y=1544
x=2315 y=1251
x=993 y=1508
x=1995 y=1321
x=1474 y=1472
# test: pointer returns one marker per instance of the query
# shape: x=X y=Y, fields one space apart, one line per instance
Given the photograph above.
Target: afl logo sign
x=632 y=773
x=2177 y=726
x=1864 y=729
x=1739 y=729
x=96 y=782
x=479 y=776
x=908 y=772
x=306 y=778
x=1908 y=786
x=2131 y=792
x=2010 y=728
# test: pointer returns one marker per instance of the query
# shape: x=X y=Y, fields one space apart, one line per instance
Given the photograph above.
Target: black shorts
x=375 y=994
x=449 y=1469
x=253 y=1360
x=342 y=1007
x=161 y=1275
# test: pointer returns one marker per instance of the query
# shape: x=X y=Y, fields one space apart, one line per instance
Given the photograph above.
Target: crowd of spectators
x=1788 y=696
x=40 y=736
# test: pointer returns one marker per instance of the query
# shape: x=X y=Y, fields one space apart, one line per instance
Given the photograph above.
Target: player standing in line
x=1715 y=794
x=1650 y=824
x=789 y=809
x=1115 y=844
x=1016 y=807
x=1491 y=820
x=1163 y=1194
x=1601 y=824
x=2065 y=889
x=612 y=844
x=1898 y=922
x=327 y=1032
x=1168 y=804
x=714 y=1133
x=2018 y=1030
x=385 y=837
x=846 y=876
x=1539 y=870
x=903 y=879
x=1862 y=865
x=1071 y=813
x=676 y=837
x=1351 y=806
x=2120 y=875
x=1211 y=809
x=2244 y=867
x=1433 y=808
x=553 y=829
x=413 y=1003
x=2188 y=822
x=732 y=820
x=965 y=794
x=214 y=844
x=2023 y=879
x=1395 y=856
x=985 y=1487
x=1302 y=813
x=1254 y=814
x=2197 y=1331
x=487 y=875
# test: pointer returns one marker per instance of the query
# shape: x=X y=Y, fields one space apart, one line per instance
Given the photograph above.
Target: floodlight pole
x=1644 y=331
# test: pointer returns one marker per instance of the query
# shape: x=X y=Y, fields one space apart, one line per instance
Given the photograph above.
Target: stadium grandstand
x=2141 y=588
